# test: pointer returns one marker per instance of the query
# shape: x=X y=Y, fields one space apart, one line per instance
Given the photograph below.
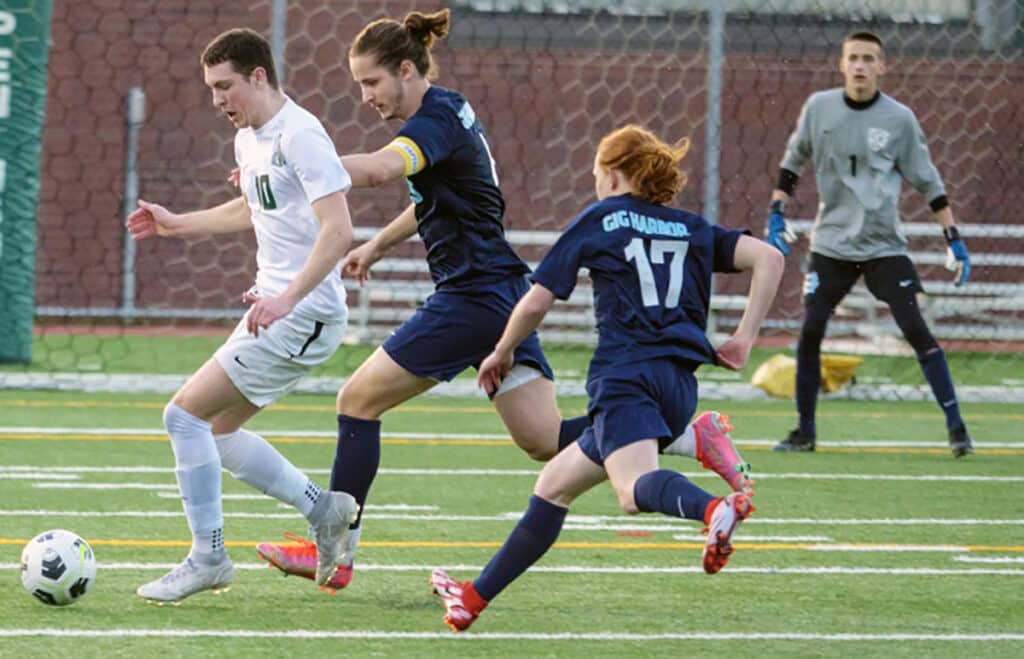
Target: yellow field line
x=485 y=409
x=430 y=544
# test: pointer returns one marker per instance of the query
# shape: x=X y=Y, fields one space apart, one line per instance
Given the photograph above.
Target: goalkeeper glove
x=778 y=235
x=957 y=259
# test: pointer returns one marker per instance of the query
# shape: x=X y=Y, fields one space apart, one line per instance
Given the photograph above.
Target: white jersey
x=287 y=164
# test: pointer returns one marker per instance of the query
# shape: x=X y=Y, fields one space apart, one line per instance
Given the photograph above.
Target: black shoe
x=960 y=442
x=797 y=442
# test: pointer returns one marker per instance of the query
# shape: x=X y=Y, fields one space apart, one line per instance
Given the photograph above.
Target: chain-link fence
x=547 y=78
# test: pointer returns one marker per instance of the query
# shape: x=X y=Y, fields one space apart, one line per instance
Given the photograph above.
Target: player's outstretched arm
x=372 y=169
x=767 y=264
x=525 y=318
x=357 y=262
x=333 y=240
x=154 y=220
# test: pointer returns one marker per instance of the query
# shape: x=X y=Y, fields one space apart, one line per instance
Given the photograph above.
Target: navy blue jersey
x=651 y=268
x=458 y=204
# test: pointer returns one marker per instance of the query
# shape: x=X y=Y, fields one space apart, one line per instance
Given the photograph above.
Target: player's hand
x=152 y=220
x=235 y=177
x=777 y=232
x=265 y=310
x=358 y=261
x=734 y=353
x=493 y=370
x=957 y=258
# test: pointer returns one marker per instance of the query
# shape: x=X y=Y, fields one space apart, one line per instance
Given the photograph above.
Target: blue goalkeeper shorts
x=456 y=329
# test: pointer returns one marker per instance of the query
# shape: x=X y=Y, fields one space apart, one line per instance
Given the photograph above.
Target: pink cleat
x=727 y=515
x=462 y=604
x=298 y=558
x=716 y=452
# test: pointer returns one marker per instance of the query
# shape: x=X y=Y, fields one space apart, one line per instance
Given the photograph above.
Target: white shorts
x=267 y=367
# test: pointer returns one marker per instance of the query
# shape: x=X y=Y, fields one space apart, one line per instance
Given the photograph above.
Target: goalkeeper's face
x=380 y=87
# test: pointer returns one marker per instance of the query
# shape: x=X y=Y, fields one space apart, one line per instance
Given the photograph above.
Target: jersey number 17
x=659 y=248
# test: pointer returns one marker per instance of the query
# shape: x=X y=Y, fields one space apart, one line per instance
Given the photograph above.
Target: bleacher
x=988 y=308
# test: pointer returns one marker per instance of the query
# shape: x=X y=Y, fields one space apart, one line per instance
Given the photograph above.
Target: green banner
x=24 y=47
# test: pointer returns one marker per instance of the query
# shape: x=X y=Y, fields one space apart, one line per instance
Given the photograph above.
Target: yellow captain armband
x=410 y=152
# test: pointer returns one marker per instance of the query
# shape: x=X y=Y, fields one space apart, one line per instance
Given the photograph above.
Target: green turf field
x=879 y=539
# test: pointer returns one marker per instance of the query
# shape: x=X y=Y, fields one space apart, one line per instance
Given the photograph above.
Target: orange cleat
x=461 y=602
x=716 y=451
x=298 y=558
x=727 y=515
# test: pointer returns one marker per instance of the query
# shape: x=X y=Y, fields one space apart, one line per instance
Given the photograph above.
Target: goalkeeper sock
x=936 y=371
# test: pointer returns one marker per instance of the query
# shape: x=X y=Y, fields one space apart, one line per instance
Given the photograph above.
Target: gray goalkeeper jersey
x=859 y=158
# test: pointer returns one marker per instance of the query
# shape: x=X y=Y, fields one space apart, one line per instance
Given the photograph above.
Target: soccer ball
x=58 y=567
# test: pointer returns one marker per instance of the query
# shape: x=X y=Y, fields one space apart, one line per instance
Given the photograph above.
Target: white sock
x=252 y=460
x=197 y=467
x=348 y=553
x=685 y=444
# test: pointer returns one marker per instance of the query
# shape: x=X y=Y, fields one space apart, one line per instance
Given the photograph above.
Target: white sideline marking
x=753 y=538
x=501 y=636
x=887 y=548
x=31 y=475
x=503 y=437
x=636 y=569
x=989 y=559
x=268 y=498
x=104 y=486
x=596 y=522
x=145 y=469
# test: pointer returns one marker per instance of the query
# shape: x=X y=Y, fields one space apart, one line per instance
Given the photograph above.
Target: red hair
x=650 y=165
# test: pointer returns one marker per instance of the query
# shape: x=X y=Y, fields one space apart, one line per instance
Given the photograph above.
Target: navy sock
x=530 y=539
x=357 y=458
x=936 y=371
x=571 y=429
x=669 y=492
x=808 y=381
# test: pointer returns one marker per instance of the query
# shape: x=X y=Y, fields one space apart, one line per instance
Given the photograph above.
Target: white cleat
x=187 y=579
x=331 y=534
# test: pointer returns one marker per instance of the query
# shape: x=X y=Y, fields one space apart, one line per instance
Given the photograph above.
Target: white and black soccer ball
x=58 y=567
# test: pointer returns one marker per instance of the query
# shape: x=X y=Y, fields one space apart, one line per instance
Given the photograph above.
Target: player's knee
x=174 y=416
x=352 y=401
x=537 y=450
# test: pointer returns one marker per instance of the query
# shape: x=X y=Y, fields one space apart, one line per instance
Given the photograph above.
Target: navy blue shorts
x=652 y=399
x=454 y=330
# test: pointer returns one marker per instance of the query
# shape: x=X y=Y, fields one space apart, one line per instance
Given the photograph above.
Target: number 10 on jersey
x=659 y=248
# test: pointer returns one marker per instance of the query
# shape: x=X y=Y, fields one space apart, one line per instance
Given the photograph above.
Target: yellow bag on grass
x=777 y=375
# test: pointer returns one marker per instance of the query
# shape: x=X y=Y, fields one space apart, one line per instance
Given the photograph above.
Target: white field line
x=755 y=538
x=989 y=559
x=615 y=570
x=36 y=476
x=887 y=548
x=499 y=437
x=270 y=499
x=580 y=522
x=468 y=637
x=146 y=469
